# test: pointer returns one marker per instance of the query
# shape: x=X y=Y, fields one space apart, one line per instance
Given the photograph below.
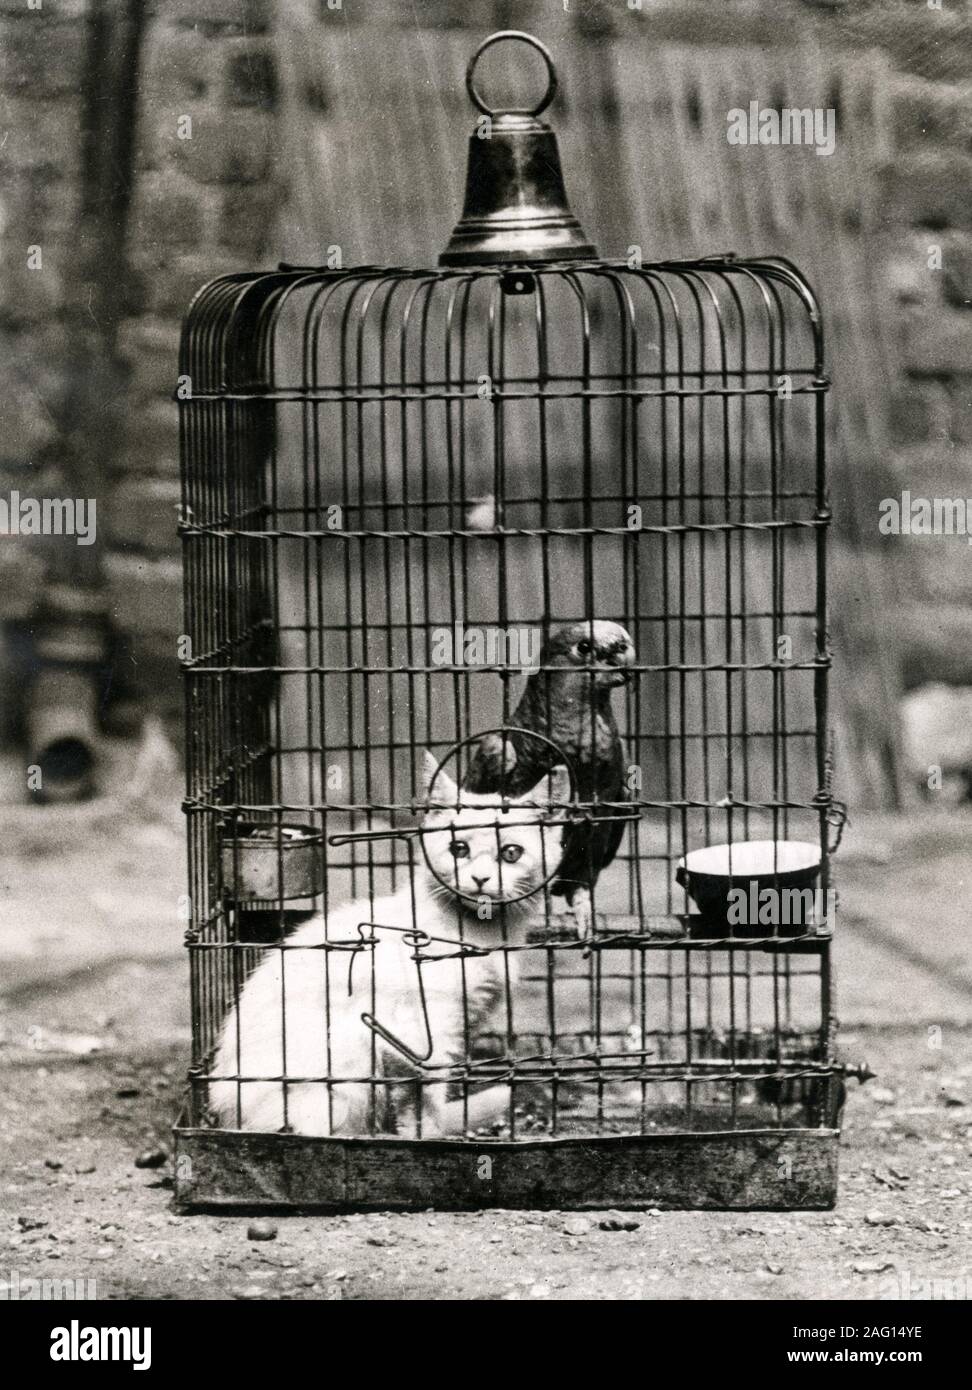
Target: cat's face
x=477 y=851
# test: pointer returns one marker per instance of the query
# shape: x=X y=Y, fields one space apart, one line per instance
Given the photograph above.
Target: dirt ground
x=93 y=1045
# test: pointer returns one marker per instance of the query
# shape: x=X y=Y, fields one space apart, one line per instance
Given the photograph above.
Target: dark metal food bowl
x=263 y=862
x=788 y=867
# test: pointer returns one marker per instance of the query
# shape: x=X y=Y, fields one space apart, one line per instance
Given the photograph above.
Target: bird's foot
x=583 y=913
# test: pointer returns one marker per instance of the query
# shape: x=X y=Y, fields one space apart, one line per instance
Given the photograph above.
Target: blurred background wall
x=147 y=147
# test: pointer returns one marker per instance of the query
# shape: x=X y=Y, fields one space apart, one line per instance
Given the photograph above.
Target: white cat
x=478 y=853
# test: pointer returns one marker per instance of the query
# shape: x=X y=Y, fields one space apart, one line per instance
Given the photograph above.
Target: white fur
x=252 y=1042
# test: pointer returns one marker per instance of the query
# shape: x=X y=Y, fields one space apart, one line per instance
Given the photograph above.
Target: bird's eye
x=511 y=853
x=584 y=648
x=459 y=849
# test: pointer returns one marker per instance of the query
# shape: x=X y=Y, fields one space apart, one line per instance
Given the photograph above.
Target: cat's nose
x=480 y=882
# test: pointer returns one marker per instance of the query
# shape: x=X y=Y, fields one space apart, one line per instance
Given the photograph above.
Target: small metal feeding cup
x=271 y=863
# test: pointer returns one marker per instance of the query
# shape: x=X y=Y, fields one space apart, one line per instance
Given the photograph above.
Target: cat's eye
x=584 y=648
x=511 y=853
x=459 y=849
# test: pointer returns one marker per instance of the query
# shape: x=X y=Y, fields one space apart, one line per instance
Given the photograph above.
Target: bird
x=568 y=701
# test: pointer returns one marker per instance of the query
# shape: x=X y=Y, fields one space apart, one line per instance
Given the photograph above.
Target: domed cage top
x=530 y=511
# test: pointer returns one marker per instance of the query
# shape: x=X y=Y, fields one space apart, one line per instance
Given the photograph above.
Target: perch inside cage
x=506 y=584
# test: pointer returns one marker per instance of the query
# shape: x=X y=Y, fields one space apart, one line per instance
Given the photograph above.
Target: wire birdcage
x=409 y=497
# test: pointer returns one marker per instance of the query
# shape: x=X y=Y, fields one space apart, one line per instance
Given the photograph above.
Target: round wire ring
x=542 y=49
x=560 y=758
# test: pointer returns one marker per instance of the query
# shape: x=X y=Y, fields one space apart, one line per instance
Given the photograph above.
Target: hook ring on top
x=542 y=49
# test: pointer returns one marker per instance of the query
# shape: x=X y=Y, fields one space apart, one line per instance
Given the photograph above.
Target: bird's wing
x=588 y=848
x=492 y=765
x=614 y=833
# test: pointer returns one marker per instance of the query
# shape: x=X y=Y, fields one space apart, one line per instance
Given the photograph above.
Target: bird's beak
x=621 y=657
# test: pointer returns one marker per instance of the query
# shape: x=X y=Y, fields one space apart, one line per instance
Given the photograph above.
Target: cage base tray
x=768 y=1169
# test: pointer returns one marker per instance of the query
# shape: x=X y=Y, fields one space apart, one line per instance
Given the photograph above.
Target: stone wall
x=202 y=193
x=205 y=187
x=41 y=74
x=926 y=197
x=204 y=200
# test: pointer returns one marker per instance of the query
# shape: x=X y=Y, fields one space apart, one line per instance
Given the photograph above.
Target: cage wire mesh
x=399 y=487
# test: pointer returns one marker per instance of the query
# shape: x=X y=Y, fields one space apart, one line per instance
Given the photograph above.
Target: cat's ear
x=446 y=791
x=429 y=766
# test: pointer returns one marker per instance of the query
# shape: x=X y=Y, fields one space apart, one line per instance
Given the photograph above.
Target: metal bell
x=516 y=206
